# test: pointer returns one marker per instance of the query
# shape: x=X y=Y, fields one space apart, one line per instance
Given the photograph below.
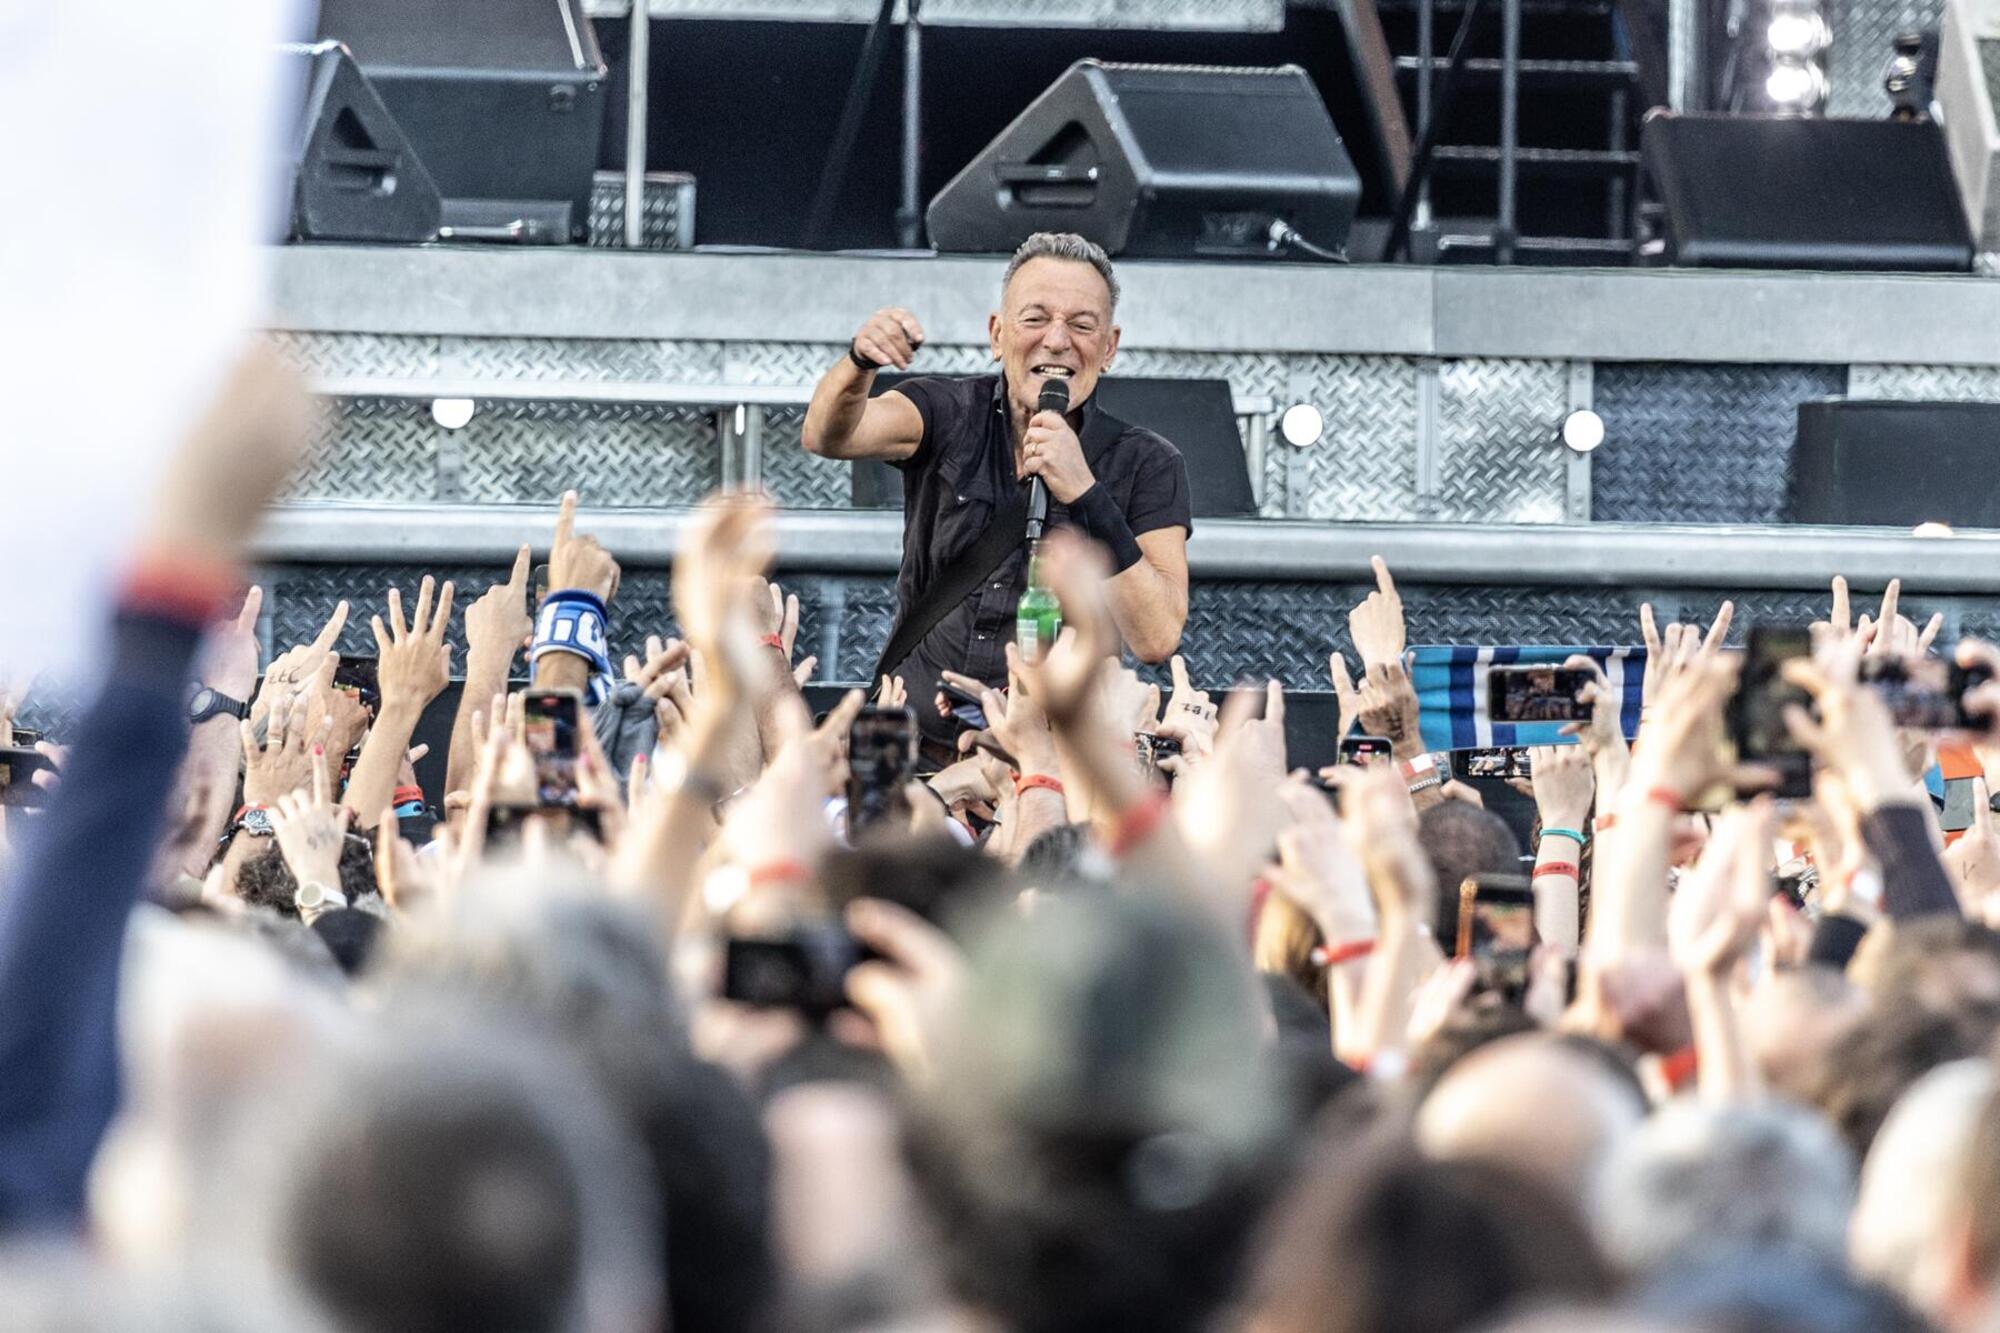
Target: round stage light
x=1799 y=34
x=1795 y=87
x=451 y=413
x=1932 y=529
x=1302 y=425
x=1582 y=430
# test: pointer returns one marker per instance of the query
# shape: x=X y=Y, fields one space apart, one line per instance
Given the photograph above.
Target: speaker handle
x=1025 y=173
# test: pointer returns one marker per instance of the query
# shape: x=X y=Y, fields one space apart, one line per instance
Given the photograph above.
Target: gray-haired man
x=967 y=446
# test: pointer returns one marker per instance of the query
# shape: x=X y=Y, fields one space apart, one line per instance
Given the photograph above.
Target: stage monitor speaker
x=1160 y=161
x=1895 y=464
x=503 y=100
x=1801 y=192
x=1198 y=416
x=354 y=176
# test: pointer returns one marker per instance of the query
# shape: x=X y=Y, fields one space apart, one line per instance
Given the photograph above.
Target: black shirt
x=963 y=467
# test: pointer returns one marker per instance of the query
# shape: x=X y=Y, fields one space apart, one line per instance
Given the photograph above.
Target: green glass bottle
x=1039 y=618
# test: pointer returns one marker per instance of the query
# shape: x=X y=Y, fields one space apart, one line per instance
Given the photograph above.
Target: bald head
x=1532 y=1103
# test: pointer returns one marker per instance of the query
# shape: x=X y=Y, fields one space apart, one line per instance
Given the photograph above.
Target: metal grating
x=399 y=356
x=1498 y=460
x=616 y=454
x=666 y=210
x=592 y=359
x=1862 y=31
x=372 y=449
x=1688 y=443
x=1926 y=383
x=796 y=479
x=1178 y=15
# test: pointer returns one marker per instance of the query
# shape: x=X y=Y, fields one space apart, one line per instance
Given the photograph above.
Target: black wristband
x=1099 y=516
x=860 y=362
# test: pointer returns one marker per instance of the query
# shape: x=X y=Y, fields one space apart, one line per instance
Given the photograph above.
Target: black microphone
x=1055 y=398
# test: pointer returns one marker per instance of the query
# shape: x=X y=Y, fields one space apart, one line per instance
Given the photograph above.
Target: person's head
x=1909 y=1202
x=1055 y=859
x=1943 y=964
x=447 y=1177
x=1753 y=1291
x=1468 y=1028
x=1095 y=1143
x=559 y=951
x=1535 y=1104
x=1057 y=317
x=1794 y=1018
x=264 y=880
x=1972 y=1249
x=1283 y=946
x=1460 y=839
x=1698 y=1180
x=1879 y=1057
x=1393 y=1243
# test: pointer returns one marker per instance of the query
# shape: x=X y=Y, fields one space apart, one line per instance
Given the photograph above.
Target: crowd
x=1060 y=1040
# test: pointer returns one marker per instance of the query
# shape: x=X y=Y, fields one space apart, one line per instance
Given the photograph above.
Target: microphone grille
x=1055 y=396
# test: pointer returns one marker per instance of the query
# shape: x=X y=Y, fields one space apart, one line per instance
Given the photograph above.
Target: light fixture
x=1302 y=425
x=451 y=413
x=1931 y=529
x=1795 y=86
x=1582 y=431
x=1798 y=34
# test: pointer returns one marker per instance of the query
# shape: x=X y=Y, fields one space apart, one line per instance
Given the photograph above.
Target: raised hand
x=311 y=829
x=1974 y=860
x=1603 y=737
x=1018 y=722
x=1563 y=785
x=1679 y=649
x=576 y=560
x=1376 y=625
x=282 y=762
x=891 y=694
x=911 y=987
x=414 y=662
x=497 y=622
x=1383 y=701
x=1066 y=682
x=1853 y=734
x=229 y=661
x=291 y=670
x=889 y=337
x=728 y=548
x=1318 y=870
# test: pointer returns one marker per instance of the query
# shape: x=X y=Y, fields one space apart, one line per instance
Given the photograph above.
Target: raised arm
x=843 y=421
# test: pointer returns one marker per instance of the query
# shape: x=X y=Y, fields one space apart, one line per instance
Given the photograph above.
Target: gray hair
x=1697 y=1181
x=1063 y=245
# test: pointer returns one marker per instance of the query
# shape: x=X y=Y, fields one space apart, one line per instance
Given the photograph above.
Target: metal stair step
x=1542 y=73
x=1465 y=159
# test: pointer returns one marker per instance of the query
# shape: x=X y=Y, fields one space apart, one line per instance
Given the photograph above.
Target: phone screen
x=1506 y=762
x=1365 y=749
x=1757 y=711
x=1536 y=694
x=1496 y=929
x=881 y=757
x=551 y=736
x=357 y=676
x=965 y=710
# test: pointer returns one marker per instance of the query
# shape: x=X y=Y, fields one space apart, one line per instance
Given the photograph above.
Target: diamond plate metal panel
x=666 y=210
x=615 y=454
x=1926 y=383
x=380 y=449
x=594 y=359
x=1688 y=443
x=795 y=478
x=1497 y=457
x=1862 y=31
x=355 y=354
x=1179 y=15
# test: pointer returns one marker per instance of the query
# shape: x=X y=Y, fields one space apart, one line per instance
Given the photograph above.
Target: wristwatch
x=254 y=820
x=313 y=897
x=206 y=703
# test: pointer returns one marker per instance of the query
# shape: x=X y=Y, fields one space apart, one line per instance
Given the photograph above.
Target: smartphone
x=966 y=710
x=553 y=717
x=1365 y=749
x=1496 y=929
x=1151 y=749
x=805 y=970
x=1536 y=694
x=357 y=676
x=881 y=758
x=1757 y=710
x=18 y=766
x=1927 y=694
x=1507 y=761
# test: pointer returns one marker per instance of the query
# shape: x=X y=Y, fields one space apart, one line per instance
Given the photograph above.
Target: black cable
x=848 y=132
x=1285 y=235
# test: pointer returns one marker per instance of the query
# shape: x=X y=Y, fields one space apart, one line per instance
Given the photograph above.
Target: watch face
x=257 y=822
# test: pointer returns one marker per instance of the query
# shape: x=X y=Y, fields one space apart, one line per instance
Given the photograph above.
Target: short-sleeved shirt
x=961 y=472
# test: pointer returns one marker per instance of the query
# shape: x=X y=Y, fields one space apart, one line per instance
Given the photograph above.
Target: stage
x=645 y=380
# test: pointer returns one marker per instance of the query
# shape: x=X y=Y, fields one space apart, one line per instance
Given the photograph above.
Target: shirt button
x=984 y=637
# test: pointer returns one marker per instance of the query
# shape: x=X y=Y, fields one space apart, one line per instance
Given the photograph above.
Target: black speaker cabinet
x=1797 y=192
x=503 y=100
x=354 y=174
x=1162 y=161
x=1896 y=464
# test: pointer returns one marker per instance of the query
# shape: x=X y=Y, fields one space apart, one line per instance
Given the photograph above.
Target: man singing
x=967 y=448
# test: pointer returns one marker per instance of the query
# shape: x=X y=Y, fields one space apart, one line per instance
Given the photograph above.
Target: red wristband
x=1027 y=781
x=1605 y=822
x=1137 y=824
x=773 y=641
x=1333 y=955
x=1668 y=797
x=789 y=870
x=404 y=795
x=179 y=588
x=1564 y=868
x=1680 y=1068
